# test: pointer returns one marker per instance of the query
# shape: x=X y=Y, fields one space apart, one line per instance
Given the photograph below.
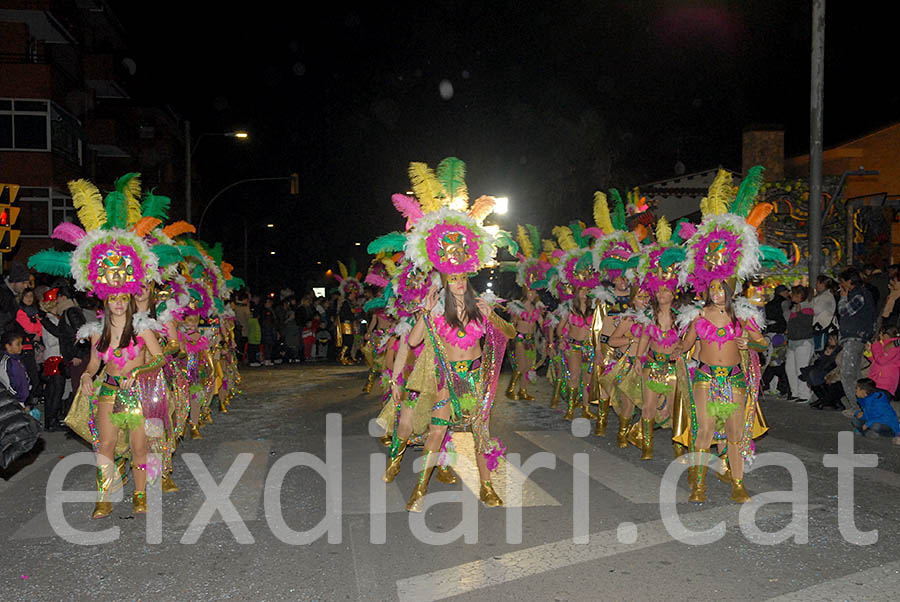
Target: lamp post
x=189 y=149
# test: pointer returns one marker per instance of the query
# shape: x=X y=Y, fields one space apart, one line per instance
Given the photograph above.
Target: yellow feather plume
x=564 y=235
x=721 y=193
x=482 y=207
x=88 y=201
x=390 y=266
x=133 y=199
x=525 y=245
x=663 y=231
x=426 y=186
x=549 y=246
x=601 y=213
x=342 y=269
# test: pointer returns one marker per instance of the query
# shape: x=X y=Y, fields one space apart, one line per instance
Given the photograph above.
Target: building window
x=65 y=134
x=42 y=210
x=24 y=125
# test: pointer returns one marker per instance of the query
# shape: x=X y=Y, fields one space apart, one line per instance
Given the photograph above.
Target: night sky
x=550 y=101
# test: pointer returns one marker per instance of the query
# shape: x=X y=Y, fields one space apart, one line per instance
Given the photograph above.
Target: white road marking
x=505 y=478
x=880 y=584
x=632 y=482
x=528 y=562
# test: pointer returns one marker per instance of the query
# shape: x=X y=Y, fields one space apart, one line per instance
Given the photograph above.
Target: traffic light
x=8 y=216
x=295 y=184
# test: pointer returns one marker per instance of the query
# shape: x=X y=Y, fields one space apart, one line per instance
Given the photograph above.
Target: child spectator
x=775 y=367
x=29 y=319
x=800 y=343
x=254 y=337
x=876 y=415
x=885 y=368
x=12 y=370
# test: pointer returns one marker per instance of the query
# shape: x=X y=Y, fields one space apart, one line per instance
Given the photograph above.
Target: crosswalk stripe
x=504 y=479
x=528 y=562
x=872 y=585
x=632 y=482
x=812 y=457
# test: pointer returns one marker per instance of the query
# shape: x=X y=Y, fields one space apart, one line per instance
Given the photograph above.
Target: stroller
x=320 y=348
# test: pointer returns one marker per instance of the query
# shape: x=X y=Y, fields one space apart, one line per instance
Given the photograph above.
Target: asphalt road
x=375 y=551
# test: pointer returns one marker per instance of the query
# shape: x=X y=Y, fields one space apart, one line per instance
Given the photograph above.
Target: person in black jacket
x=18 y=431
x=75 y=355
x=10 y=292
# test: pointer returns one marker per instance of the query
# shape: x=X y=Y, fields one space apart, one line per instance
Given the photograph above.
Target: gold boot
x=634 y=435
x=554 y=401
x=647 y=443
x=222 y=407
x=106 y=475
x=586 y=407
x=725 y=477
x=418 y=495
x=207 y=415
x=570 y=413
x=488 y=496
x=445 y=474
x=122 y=469
x=523 y=393
x=602 y=418
x=738 y=493
x=195 y=432
x=698 y=485
x=622 y=435
x=139 y=502
x=370 y=381
x=168 y=485
x=678 y=449
x=386 y=439
x=511 y=390
x=393 y=468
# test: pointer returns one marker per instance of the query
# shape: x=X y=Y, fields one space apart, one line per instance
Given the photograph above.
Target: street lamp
x=501 y=205
x=189 y=149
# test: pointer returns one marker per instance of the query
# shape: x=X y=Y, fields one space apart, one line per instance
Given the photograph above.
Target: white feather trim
x=491 y=298
x=402 y=328
x=88 y=330
x=80 y=259
x=645 y=317
x=747 y=312
x=687 y=315
x=416 y=237
x=142 y=321
x=515 y=308
x=603 y=294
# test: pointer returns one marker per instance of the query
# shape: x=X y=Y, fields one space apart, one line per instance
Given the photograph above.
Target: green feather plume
x=391 y=242
x=220 y=305
x=217 y=252
x=376 y=303
x=509 y=266
x=55 y=263
x=748 y=191
x=155 y=205
x=504 y=239
x=197 y=272
x=618 y=216
x=535 y=237
x=451 y=174
x=584 y=261
x=670 y=256
x=235 y=283
x=188 y=250
x=116 y=210
x=577 y=227
x=770 y=255
x=614 y=263
x=167 y=254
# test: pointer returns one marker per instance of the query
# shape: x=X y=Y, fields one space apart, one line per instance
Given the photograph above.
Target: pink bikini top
x=195 y=347
x=530 y=317
x=664 y=339
x=709 y=332
x=578 y=322
x=461 y=338
x=121 y=355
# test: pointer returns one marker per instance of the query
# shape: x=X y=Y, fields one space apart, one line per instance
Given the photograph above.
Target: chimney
x=764 y=145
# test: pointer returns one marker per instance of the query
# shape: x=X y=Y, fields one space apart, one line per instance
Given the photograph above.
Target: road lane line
x=528 y=562
x=629 y=480
x=879 y=584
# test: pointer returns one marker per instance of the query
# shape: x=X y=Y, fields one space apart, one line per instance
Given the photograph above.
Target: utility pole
x=816 y=98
